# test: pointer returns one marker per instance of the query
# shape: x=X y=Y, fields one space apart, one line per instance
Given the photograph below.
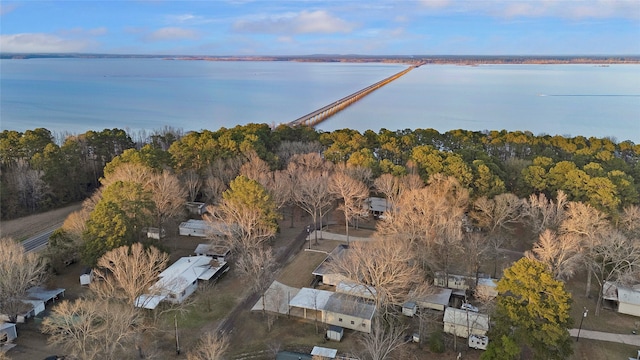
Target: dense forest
x=39 y=173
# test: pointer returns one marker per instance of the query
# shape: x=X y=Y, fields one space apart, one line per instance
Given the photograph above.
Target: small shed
x=409 y=308
x=335 y=333
x=155 y=233
x=196 y=208
x=8 y=333
x=86 y=276
x=219 y=252
x=323 y=352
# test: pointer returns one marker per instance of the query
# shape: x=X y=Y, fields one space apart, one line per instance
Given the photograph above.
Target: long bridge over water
x=314 y=118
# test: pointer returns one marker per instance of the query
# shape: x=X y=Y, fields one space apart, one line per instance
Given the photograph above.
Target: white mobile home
x=194 y=228
x=333 y=309
x=464 y=323
x=180 y=280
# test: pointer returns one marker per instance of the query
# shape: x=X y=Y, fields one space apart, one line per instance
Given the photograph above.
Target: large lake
x=76 y=95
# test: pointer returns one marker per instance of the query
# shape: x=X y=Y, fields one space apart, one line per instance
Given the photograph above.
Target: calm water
x=77 y=95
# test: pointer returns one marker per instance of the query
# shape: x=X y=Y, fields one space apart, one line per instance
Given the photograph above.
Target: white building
x=626 y=299
x=464 y=323
x=333 y=309
x=180 y=280
x=219 y=252
x=324 y=273
x=193 y=227
x=8 y=333
x=439 y=300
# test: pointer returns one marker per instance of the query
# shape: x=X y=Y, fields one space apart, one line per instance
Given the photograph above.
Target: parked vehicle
x=467 y=306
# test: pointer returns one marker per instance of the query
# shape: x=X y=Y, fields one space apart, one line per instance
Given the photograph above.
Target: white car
x=467 y=306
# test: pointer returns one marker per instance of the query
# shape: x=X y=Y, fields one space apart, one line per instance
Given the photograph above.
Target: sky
x=307 y=27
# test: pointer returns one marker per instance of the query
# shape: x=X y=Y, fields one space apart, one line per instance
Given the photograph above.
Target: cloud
x=575 y=9
x=187 y=19
x=305 y=22
x=7 y=8
x=171 y=33
x=79 y=31
x=40 y=43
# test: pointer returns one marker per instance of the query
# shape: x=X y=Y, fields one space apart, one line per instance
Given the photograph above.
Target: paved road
x=39 y=241
x=628 y=339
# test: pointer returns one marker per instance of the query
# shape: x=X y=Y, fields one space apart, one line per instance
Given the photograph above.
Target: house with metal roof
x=180 y=280
x=625 y=299
x=332 y=308
x=324 y=273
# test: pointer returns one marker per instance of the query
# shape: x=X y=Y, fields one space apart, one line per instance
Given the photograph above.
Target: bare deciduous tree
x=168 y=195
x=561 y=253
x=213 y=189
x=192 y=182
x=615 y=258
x=385 y=269
x=18 y=272
x=128 y=272
x=210 y=347
x=313 y=196
x=353 y=194
x=389 y=185
x=630 y=221
x=543 y=213
x=255 y=265
x=383 y=339
x=256 y=168
x=590 y=225
x=93 y=329
x=498 y=217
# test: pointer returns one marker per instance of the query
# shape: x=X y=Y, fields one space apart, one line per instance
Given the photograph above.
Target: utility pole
x=584 y=315
x=309 y=235
x=175 y=320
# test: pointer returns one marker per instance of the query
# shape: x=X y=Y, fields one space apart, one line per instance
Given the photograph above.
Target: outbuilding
x=410 y=308
x=8 y=333
x=219 y=252
x=335 y=333
x=324 y=274
x=87 y=276
x=626 y=299
x=464 y=323
x=439 y=300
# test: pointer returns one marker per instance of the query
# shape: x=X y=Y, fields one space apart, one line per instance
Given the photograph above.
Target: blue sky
x=303 y=27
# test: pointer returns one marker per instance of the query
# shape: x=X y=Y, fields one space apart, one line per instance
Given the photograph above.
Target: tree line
x=38 y=174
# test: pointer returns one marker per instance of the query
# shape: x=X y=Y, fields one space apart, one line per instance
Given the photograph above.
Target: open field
x=25 y=227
